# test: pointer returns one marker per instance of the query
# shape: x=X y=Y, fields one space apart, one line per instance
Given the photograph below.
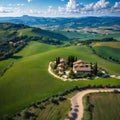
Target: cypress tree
x=95 y=70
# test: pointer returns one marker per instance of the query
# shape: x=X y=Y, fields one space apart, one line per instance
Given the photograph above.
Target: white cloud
x=29 y=0
x=62 y=0
x=101 y=4
x=116 y=8
x=14 y=5
x=20 y=4
x=99 y=7
x=117 y=5
x=71 y=6
x=5 y=10
x=89 y=7
x=61 y=9
x=50 y=9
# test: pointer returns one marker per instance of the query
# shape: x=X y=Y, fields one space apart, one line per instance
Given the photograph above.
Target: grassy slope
x=34 y=48
x=28 y=32
x=28 y=80
x=108 y=49
x=51 y=111
x=54 y=112
x=5 y=63
x=106 y=106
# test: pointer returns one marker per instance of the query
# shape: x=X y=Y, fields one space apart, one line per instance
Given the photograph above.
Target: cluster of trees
x=10 y=33
x=7 y=50
x=57 y=61
x=70 y=60
x=10 y=39
x=113 y=59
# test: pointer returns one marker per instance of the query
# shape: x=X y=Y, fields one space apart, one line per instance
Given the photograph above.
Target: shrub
x=116 y=91
x=62 y=98
x=42 y=107
x=55 y=101
x=27 y=114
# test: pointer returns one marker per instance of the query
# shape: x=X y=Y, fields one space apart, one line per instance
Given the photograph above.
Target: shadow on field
x=16 y=57
x=73 y=117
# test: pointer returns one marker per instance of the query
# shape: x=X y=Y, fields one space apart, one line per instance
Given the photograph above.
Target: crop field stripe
x=106 y=106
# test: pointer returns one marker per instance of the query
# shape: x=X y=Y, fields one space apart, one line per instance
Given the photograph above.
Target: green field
x=108 y=49
x=86 y=36
x=27 y=31
x=100 y=37
x=34 y=48
x=28 y=79
x=106 y=106
x=80 y=35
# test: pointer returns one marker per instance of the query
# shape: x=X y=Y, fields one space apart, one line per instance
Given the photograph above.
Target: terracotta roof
x=60 y=69
x=83 y=69
x=79 y=62
x=60 y=65
x=62 y=60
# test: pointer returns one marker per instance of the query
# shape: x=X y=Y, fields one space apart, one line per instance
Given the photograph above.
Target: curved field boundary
x=77 y=102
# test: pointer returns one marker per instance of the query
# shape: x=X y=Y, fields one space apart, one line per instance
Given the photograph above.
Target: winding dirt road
x=77 y=106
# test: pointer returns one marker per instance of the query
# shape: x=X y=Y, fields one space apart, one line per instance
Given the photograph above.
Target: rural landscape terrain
x=59 y=59
x=29 y=91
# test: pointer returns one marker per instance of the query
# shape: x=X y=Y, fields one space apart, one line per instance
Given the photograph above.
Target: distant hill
x=13 y=37
x=63 y=23
x=8 y=29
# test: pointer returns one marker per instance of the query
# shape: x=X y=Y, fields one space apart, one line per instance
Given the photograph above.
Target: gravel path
x=77 y=106
x=56 y=76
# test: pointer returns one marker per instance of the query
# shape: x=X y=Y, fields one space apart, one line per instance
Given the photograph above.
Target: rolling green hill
x=9 y=31
x=35 y=48
x=14 y=37
x=109 y=50
x=28 y=79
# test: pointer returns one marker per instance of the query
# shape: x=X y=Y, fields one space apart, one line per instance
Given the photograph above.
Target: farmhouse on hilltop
x=81 y=67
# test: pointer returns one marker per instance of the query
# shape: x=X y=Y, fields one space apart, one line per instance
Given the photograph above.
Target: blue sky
x=60 y=8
